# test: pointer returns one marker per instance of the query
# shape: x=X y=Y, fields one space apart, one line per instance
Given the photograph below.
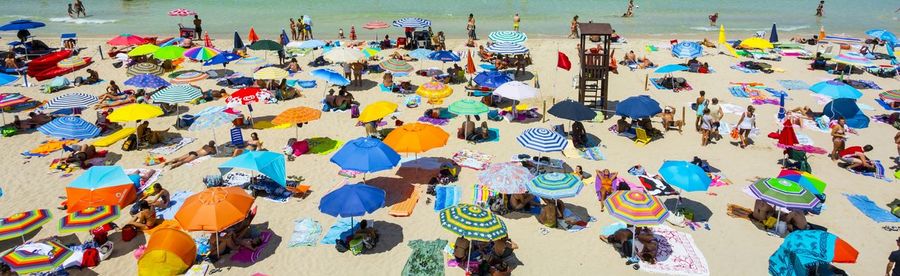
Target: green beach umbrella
x=395 y=66
x=143 y=50
x=468 y=107
x=555 y=185
x=179 y=93
x=472 y=222
x=784 y=193
x=170 y=52
x=266 y=45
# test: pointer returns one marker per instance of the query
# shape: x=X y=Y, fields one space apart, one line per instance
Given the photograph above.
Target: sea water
x=663 y=18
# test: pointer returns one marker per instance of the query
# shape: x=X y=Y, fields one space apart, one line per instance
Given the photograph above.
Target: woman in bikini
x=208 y=149
x=573 y=28
x=146 y=218
x=605 y=178
x=839 y=137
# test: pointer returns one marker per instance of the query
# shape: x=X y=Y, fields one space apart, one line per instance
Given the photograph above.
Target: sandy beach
x=730 y=246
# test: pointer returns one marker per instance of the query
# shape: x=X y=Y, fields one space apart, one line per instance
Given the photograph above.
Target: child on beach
x=516 y=21
x=341 y=33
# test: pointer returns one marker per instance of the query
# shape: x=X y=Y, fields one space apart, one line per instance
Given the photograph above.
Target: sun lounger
x=115 y=137
x=406 y=207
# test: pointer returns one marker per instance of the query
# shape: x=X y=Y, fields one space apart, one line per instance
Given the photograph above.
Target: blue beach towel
x=592 y=153
x=738 y=91
x=885 y=105
x=793 y=84
x=878 y=173
x=446 y=196
x=493 y=135
x=655 y=82
x=306 y=232
x=340 y=230
x=870 y=209
x=175 y=202
x=776 y=93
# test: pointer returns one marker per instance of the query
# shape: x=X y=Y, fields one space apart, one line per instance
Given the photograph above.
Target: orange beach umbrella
x=252 y=36
x=214 y=209
x=416 y=138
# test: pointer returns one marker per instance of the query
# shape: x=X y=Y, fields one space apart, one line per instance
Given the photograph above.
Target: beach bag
x=735 y=134
x=770 y=222
x=8 y=131
x=357 y=246
x=128 y=232
x=90 y=258
x=130 y=143
x=354 y=111
x=340 y=246
x=700 y=108
x=687 y=213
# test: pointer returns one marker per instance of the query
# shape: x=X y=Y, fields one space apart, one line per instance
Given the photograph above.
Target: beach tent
x=169 y=252
x=270 y=164
x=848 y=109
x=100 y=186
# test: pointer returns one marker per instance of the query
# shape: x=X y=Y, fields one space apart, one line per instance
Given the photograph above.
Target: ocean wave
x=780 y=28
x=16 y=16
x=81 y=20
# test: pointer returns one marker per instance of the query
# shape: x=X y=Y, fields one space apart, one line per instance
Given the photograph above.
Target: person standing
x=308 y=22
x=630 y=11
x=516 y=21
x=293 y=30
x=699 y=105
x=573 y=28
x=79 y=9
x=301 y=28
x=820 y=11
x=353 y=33
x=746 y=124
x=713 y=18
x=715 y=110
x=71 y=11
x=892 y=268
x=198 y=29
x=470 y=27
x=838 y=137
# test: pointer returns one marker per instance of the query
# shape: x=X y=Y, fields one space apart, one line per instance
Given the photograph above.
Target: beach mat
x=446 y=196
x=405 y=208
x=877 y=174
x=793 y=84
x=493 y=135
x=114 y=137
x=885 y=105
x=48 y=147
x=677 y=255
x=870 y=209
x=427 y=258
x=173 y=145
x=247 y=256
x=323 y=145
x=306 y=233
x=175 y=201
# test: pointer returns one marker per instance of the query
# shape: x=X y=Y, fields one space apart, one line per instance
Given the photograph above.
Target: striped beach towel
x=481 y=194
x=878 y=173
x=446 y=196
x=738 y=91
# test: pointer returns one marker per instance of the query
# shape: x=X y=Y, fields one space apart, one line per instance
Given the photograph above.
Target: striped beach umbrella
x=179 y=93
x=11 y=99
x=88 y=218
x=508 y=36
x=854 y=59
x=70 y=127
x=37 y=257
x=411 y=22
x=396 y=65
x=805 y=179
x=143 y=50
x=420 y=54
x=181 y=12
x=170 y=52
x=890 y=95
x=434 y=90
x=23 y=223
x=212 y=120
x=507 y=48
x=555 y=185
x=201 y=53
x=784 y=193
x=468 y=107
x=71 y=62
x=636 y=208
x=189 y=77
x=270 y=73
x=687 y=49
x=146 y=81
x=472 y=222
x=505 y=178
x=71 y=100
x=144 y=68
x=542 y=140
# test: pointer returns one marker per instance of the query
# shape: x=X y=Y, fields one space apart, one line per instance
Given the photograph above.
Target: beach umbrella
x=168 y=252
x=144 y=68
x=411 y=22
x=330 y=76
x=721 y=39
x=189 y=77
x=36 y=257
x=170 y=52
x=555 y=185
x=756 y=43
x=572 y=110
x=88 y=218
x=22 y=24
x=219 y=73
x=9 y=100
x=853 y=59
x=365 y=155
x=352 y=200
x=212 y=120
x=179 y=93
x=238 y=43
x=143 y=50
x=7 y=79
x=266 y=45
x=396 y=66
x=773 y=35
x=70 y=127
x=470 y=64
x=416 y=138
x=836 y=90
x=201 y=53
x=268 y=163
x=491 y=79
x=181 y=12
x=805 y=179
x=505 y=178
x=297 y=116
x=20 y=224
x=687 y=49
x=636 y=208
x=245 y=95
x=542 y=140
x=71 y=62
x=444 y=56
x=516 y=90
x=252 y=36
x=784 y=193
x=377 y=110
x=670 y=68
x=637 y=107
x=472 y=222
x=285 y=39
x=134 y=112
x=344 y=55
x=849 y=109
x=309 y=44
x=890 y=95
x=270 y=73
x=99 y=186
x=508 y=36
x=222 y=58
x=810 y=252
x=684 y=175
x=71 y=101
x=126 y=40
x=468 y=107
x=146 y=81
x=214 y=209
x=507 y=48
x=420 y=54
x=434 y=91
x=882 y=34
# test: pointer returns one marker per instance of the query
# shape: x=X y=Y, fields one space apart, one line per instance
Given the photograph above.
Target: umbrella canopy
x=420 y=54
x=144 y=68
x=516 y=90
x=687 y=49
x=21 y=24
x=100 y=186
x=374 y=25
x=308 y=44
x=572 y=110
x=214 y=209
x=170 y=52
x=434 y=90
x=411 y=22
x=508 y=36
x=836 y=90
x=268 y=163
x=756 y=43
x=238 y=43
x=684 y=175
x=506 y=178
x=377 y=110
x=636 y=208
x=344 y=55
x=416 y=137
x=222 y=58
x=444 y=56
x=181 y=12
x=890 y=95
x=143 y=50
x=670 y=68
x=37 y=257
x=507 y=48
x=468 y=107
x=212 y=120
x=147 y=81
x=773 y=35
x=492 y=79
x=245 y=95
x=71 y=100
x=542 y=140
x=11 y=99
x=352 y=200
x=784 y=193
x=396 y=65
x=126 y=40
x=179 y=93
x=854 y=59
x=189 y=77
x=297 y=115
x=555 y=185
x=330 y=76
x=810 y=252
x=848 y=109
x=7 y=79
x=88 y=218
x=70 y=127
x=134 y=112
x=71 y=62
x=201 y=53
x=805 y=179
x=23 y=223
x=365 y=155
x=882 y=34
x=270 y=73
x=472 y=222
x=169 y=252
x=266 y=45
x=638 y=107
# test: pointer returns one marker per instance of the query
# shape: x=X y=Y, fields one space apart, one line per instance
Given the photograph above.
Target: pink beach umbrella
x=126 y=40
x=375 y=25
x=182 y=12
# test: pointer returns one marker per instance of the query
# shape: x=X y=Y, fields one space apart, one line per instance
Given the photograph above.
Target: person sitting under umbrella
x=293 y=66
x=855 y=158
x=146 y=218
x=365 y=234
x=151 y=137
x=480 y=134
x=500 y=251
x=208 y=149
x=226 y=242
x=579 y=135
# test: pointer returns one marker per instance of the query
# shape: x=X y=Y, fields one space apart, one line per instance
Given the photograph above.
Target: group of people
x=302 y=29
x=623 y=240
x=631 y=59
x=493 y=258
x=76 y=9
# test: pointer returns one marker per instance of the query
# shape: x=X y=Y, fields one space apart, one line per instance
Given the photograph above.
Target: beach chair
x=401 y=42
x=796 y=159
x=641 y=137
x=237 y=138
x=405 y=208
x=68 y=36
x=299 y=190
x=561 y=129
x=494 y=115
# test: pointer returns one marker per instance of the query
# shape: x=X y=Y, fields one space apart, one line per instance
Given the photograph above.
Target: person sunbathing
x=621 y=240
x=856 y=159
x=228 y=242
x=84 y=154
x=293 y=66
x=762 y=211
x=646 y=63
x=668 y=117
x=461 y=249
x=112 y=101
x=622 y=125
x=707 y=43
x=160 y=197
x=500 y=250
x=208 y=149
x=484 y=54
x=387 y=80
x=630 y=58
x=650 y=245
x=146 y=218
x=34 y=120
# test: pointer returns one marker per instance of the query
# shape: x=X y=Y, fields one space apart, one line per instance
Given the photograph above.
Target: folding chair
x=68 y=36
x=799 y=158
x=642 y=137
x=561 y=129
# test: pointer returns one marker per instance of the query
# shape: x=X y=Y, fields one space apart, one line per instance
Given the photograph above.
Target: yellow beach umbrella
x=377 y=110
x=143 y=50
x=270 y=73
x=756 y=43
x=722 y=35
x=134 y=112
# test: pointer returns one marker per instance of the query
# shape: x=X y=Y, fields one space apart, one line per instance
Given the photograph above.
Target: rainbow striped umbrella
x=636 y=208
x=88 y=218
x=890 y=95
x=854 y=59
x=784 y=193
x=805 y=179
x=473 y=222
x=23 y=223
x=555 y=185
x=201 y=53
x=37 y=257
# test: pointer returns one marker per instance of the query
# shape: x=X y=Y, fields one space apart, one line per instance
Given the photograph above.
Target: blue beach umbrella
x=420 y=54
x=238 y=43
x=492 y=79
x=687 y=49
x=638 y=107
x=270 y=164
x=70 y=127
x=444 y=56
x=146 y=81
x=98 y=177
x=7 y=79
x=882 y=34
x=330 y=76
x=848 y=109
x=773 y=35
x=684 y=175
x=366 y=155
x=507 y=48
x=212 y=120
x=542 y=140
x=285 y=39
x=222 y=58
x=352 y=200
x=810 y=252
x=572 y=110
x=411 y=22
x=669 y=68
x=23 y=24
x=836 y=90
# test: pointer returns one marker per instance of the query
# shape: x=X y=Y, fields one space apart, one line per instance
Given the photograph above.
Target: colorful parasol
x=344 y=55
x=169 y=252
x=472 y=222
x=143 y=50
x=71 y=62
x=36 y=257
x=396 y=66
x=810 y=252
x=890 y=95
x=376 y=111
x=636 y=208
x=756 y=43
x=23 y=223
x=270 y=73
x=214 y=209
x=134 y=112
x=170 y=52
x=201 y=53
x=416 y=138
x=434 y=90
x=126 y=40
x=100 y=186
x=505 y=178
x=181 y=12
x=212 y=120
x=88 y=218
x=174 y=94
x=189 y=77
x=542 y=140
x=245 y=95
x=370 y=52
x=144 y=68
x=297 y=115
x=147 y=81
x=555 y=185
x=467 y=107
x=853 y=58
x=784 y=193
x=805 y=179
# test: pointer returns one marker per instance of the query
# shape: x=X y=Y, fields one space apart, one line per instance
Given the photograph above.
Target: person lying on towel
x=855 y=158
x=208 y=149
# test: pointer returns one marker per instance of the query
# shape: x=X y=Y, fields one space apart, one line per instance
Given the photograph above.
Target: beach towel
x=426 y=258
x=175 y=201
x=776 y=93
x=481 y=194
x=677 y=255
x=150 y=180
x=805 y=148
x=472 y=159
x=433 y=121
x=885 y=105
x=198 y=161
x=173 y=145
x=592 y=153
x=793 y=84
x=738 y=91
x=446 y=196
x=48 y=147
x=656 y=187
x=323 y=145
x=870 y=209
x=306 y=233
x=744 y=70
x=655 y=82
x=114 y=137
x=341 y=230
x=244 y=255
x=877 y=174
x=493 y=135
x=579 y=224
x=863 y=84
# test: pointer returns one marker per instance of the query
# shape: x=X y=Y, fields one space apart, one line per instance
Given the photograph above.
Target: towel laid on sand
x=744 y=70
x=175 y=201
x=446 y=196
x=738 y=91
x=244 y=255
x=472 y=159
x=198 y=161
x=150 y=180
x=870 y=209
x=426 y=258
x=433 y=121
x=341 y=229
x=793 y=84
x=173 y=145
x=48 y=147
x=323 y=145
x=885 y=105
x=878 y=173
x=306 y=232
x=677 y=255
x=481 y=194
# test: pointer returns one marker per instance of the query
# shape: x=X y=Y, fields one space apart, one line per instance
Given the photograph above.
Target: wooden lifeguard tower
x=593 y=80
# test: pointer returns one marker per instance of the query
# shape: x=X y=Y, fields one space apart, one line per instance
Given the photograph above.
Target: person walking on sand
x=745 y=125
x=470 y=27
x=516 y=21
x=892 y=268
x=713 y=18
x=573 y=28
x=820 y=11
x=79 y=8
x=198 y=29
